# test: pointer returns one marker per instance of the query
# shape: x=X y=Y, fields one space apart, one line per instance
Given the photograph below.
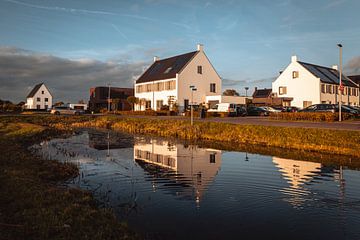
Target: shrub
x=310 y=116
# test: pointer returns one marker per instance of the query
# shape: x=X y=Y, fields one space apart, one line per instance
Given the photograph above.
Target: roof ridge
x=316 y=65
x=175 y=56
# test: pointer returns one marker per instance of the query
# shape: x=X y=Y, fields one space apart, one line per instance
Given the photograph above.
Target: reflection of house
x=191 y=168
x=168 y=81
x=103 y=140
x=39 y=98
x=312 y=84
x=118 y=96
x=266 y=97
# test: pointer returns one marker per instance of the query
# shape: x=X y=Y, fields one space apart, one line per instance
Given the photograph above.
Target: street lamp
x=193 y=88
x=341 y=87
x=109 y=99
x=246 y=89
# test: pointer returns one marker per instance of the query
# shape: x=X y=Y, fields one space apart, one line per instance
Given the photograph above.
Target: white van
x=224 y=107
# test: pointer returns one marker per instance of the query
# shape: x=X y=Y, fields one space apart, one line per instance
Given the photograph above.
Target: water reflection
x=188 y=169
x=300 y=175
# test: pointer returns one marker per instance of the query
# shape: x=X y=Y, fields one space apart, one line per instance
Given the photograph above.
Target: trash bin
x=202 y=113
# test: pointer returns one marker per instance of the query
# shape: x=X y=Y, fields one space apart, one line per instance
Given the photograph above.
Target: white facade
x=207 y=83
x=306 y=89
x=41 y=99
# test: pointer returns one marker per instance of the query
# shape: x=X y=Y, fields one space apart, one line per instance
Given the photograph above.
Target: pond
x=166 y=189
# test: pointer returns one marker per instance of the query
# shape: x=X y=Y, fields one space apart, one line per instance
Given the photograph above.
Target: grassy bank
x=33 y=202
x=304 y=139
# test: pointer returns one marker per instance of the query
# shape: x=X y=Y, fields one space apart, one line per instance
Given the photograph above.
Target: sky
x=72 y=45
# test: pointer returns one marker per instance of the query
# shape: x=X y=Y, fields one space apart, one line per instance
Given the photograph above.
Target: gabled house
x=311 y=84
x=39 y=98
x=99 y=98
x=169 y=81
x=265 y=97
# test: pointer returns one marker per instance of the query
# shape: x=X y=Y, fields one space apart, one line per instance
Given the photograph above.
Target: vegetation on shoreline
x=310 y=116
x=33 y=202
x=304 y=139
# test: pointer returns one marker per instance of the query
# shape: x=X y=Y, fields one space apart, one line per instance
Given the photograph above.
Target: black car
x=257 y=111
x=289 y=109
x=320 y=108
x=241 y=111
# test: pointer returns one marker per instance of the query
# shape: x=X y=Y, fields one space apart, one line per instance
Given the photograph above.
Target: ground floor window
x=159 y=104
x=307 y=103
x=148 y=105
x=186 y=104
x=37 y=106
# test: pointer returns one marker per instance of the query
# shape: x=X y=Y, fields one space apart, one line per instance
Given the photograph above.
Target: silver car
x=66 y=110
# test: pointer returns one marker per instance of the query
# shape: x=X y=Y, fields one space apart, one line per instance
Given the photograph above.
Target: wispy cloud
x=119 y=31
x=334 y=3
x=353 y=66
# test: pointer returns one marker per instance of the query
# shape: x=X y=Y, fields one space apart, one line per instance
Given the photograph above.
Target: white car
x=224 y=107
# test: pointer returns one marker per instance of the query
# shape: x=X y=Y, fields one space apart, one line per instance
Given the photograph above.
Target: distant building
x=39 y=98
x=168 y=81
x=311 y=84
x=265 y=97
x=118 y=98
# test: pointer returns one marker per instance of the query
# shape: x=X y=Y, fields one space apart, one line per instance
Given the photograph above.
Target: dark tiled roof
x=35 y=89
x=327 y=75
x=262 y=93
x=355 y=78
x=166 y=68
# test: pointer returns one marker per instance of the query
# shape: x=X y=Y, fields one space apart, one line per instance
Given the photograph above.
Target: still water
x=167 y=190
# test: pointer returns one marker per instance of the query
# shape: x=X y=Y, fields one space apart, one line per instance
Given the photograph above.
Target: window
x=199 y=69
x=148 y=105
x=168 y=70
x=186 y=104
x=46 y=106
x=323 y=88
x=37 y=106
x=38 y=99
x=46 y=99
x=328 y=88
x=159 y=104
x=212 y=87
x=42 y=92
x=148 y=87
x=170 y=85
x=282 y=90
x=295 y=74
x=306 y=103
x=212 y=158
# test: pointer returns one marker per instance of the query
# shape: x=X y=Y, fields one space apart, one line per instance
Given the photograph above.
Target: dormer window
x=199 y=69
x=42 y=92
x=295 y=74
x=168 y=70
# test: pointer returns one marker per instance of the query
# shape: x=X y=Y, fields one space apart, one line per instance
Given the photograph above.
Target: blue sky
x=248 y=42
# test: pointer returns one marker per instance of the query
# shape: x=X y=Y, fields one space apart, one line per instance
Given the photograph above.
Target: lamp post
x=192 y=103
x=109 y=98
x=246 y=89
x=341 y=87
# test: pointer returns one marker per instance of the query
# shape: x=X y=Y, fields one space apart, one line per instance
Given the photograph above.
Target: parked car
x=257 y=111
x=347 y=109
x=270 y=109
x=289 y=109
x=241 y=111
x=64 y=110
x=320 y=108
x=224 y=107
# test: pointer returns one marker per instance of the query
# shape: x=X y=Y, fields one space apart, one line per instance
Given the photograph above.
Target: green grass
x=33 y=202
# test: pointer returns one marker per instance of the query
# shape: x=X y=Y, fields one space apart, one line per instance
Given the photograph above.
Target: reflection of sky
x=244 y=196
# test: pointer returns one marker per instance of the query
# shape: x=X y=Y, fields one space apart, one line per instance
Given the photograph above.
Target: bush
x=310 y=116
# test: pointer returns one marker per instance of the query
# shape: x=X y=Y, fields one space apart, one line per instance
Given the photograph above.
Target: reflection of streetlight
x=341 y=87
x=246 y=157
x=109 y=98
x=193 y=88
x=246 y=89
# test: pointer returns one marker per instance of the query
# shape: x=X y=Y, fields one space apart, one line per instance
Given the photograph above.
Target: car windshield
x=215 y=107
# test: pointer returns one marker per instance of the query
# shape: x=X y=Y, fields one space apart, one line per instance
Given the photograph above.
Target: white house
x=311 y=84
x=169 y=81
x=39 y=98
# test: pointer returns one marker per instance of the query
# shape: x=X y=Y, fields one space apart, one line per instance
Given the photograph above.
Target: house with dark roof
x=179 y=80
x=39 y=98
x=265 y=97
x=311 y=84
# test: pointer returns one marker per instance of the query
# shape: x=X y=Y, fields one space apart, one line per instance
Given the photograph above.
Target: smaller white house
x=311 y=84
x=39 y=98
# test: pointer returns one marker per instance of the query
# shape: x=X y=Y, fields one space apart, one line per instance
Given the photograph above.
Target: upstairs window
x=199 y=69
x=38 y=99
x=42 y=92
x=323 y=88
x=282 y=90
x=46 y=99
x=329 y=89
x=168 y=70
x=212 y=87
x=295 y=74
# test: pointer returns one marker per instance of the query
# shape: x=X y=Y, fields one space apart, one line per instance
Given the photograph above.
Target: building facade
x=171 y=82
x=39 y=98
x=99 y=98
x=311 y=84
